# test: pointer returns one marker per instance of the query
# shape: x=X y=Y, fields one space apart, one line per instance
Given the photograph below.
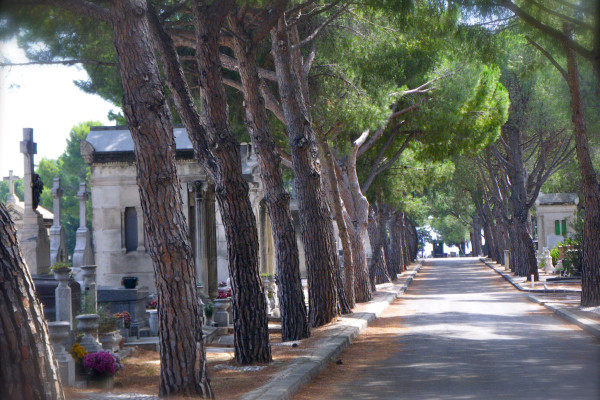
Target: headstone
x=64 y=311
x=59 y=332
x=58 y=241
x=83 y=254
x=33 y=237
x=12 y=197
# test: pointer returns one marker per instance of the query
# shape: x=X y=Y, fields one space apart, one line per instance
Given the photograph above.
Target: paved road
x=469 y=335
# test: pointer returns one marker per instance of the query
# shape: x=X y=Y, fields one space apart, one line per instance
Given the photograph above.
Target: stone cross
x=33 y=236
x=83 y=196
x=28 y=148
x=12 y=197
x=58 y=241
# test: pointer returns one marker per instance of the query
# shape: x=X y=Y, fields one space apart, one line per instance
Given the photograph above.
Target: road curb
x=303 y=369
x=586 y=324
x=520 y=287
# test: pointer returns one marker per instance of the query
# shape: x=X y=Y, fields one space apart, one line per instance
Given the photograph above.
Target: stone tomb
x=133 y=301
x=555 y=213
x=120 y=246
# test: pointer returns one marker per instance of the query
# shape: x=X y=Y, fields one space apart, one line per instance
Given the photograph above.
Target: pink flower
x=102 y=363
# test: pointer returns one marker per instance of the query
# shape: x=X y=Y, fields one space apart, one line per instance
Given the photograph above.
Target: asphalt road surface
x=467 y=334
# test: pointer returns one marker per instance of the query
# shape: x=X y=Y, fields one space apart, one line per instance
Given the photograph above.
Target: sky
x=43 y=98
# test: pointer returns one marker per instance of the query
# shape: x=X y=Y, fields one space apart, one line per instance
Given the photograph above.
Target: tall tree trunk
x=405 y=246
x=294 y=322
x=377 y=270
x=315 y=219
x=394 y=255
x=242 y=254
x=329 y=167
x=28 y=369
x=523 y=261
x=476 y=248
x=590 y=280
x=358 y=220
x=250 y=327
x=183 y=363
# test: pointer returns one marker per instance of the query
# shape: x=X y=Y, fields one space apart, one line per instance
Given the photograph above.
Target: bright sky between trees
x=42 y=97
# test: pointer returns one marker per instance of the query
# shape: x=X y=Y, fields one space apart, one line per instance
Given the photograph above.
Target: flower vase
x=221 y=314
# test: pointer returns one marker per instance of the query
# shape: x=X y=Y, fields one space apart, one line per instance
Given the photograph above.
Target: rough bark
x=335 y=199
x=315 y=219
x=394 y=254
x=28 y=369
x=183 y=363
x=357 y=220
x=476 y=248
x=523 y=261
x=250 y=328
x=214 y=149
x=590 y=281
x=405 y=245
x=378 y=269
x=294 y=323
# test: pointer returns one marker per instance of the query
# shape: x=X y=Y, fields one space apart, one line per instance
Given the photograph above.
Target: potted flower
x=209 y=311
x=224 y=288
x=101 y=367
x=78 y=352
x=61 y=271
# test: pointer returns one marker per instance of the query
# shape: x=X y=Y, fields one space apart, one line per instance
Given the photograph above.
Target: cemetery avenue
x=462 y=332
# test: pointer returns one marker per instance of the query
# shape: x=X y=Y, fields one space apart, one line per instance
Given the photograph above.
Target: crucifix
x=28 y=148
x=12 y=197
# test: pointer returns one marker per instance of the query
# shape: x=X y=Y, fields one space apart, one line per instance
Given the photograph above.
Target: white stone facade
x=114 y=190
x=555 y=215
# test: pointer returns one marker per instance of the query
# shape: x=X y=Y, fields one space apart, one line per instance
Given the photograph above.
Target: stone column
x=59 y=332
x=89 y=295
x=83 y=254
x=199 y=237
x=210 y=240
x=12 y=197
x=62 y=295
x=33 y=237
x=507 y=260
x=58 y=241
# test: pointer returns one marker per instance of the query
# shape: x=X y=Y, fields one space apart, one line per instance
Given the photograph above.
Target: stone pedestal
x=88 y=324
x=110 y=340
x=221 y=314
x=89 y=295
x=58 y=241
x=507 y=260
x=59 y=332
x=64 y=312
x=153 y=321
x=83 y=254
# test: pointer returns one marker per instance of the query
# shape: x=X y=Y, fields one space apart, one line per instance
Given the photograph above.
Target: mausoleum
x=555 y=216
x=117 y=220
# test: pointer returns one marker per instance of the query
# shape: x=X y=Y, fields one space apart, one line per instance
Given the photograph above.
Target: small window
x=131 y=233
x=564 y=226
x=557 y=227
